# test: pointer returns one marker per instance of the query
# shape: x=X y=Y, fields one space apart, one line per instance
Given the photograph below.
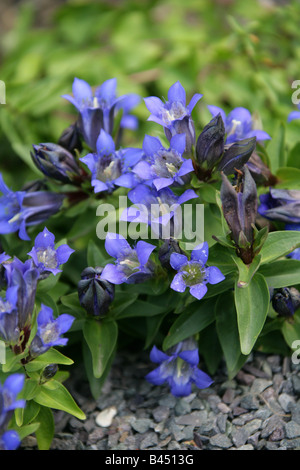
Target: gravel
x=257 y=410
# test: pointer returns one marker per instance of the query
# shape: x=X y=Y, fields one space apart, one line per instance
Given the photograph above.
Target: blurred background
x=234 y=52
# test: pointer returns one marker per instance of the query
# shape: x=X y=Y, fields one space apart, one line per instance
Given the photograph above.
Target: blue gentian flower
x=162 y=166
x=9 y=391
x=111 y=168
x=49 y=331
x=294 y=115
x=45 y=256
x=155 y=208
x=97 y=110
x=10 y=440
x=21 y=209
x=24 y=277
x=9 y=320
x=175 y=114
x=178 y=368
x=132 y=264
x=194 y=273
x=238 y=124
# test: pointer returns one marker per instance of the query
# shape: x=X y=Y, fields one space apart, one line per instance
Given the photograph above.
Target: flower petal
x=116 y=244
x=214 y=275
x=198 y=291
x=177 y=93
x=177 y=260
x=178 y=283
x=200 y=253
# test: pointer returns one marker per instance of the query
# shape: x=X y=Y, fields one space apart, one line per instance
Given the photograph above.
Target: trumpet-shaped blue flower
x=45 y=256
x=154 y=207
x=98 y=110
x=164 y=166
x=111 y=168
x=49 y=331
x=132 y=264
x=178 y=368
x=9 y=324
x=21 y=209
x=194 y=273
x=238 y=124
x=175 y=114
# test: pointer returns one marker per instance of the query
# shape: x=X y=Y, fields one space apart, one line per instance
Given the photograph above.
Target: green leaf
x=282 y=273
x=222 y=258
x=276 y=148
x=246 y=271
x=121 y=302
x=291 y=329
x=279 y=244
x=101 y=337
x=227 y=329
x=197 y=316
x=96 y=256
x=72 y=302
x=289 y=178
x=52 y=356
x=293 y=159
x=27 y=430
x=252 y=304
x=45 y=432
x=53 y=394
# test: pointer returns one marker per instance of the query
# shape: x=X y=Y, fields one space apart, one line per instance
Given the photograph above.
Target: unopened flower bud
x=70 y=138
x=210 y=143
x=49 y=372
x=237 y=155
x=55 y=162
x=286 y=301
x=95 y=294
x=168 y=247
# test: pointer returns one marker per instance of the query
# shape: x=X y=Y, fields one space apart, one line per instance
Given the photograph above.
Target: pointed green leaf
x=252 y=304
x=282 y=273
x=279 y=244
x=45 y=432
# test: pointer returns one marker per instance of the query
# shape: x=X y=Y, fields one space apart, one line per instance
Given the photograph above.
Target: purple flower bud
x=55 y=162
x=210 y=143
x=95 y=294
x=240 y=209
x=286 y=301
x=237 y=155
x=70 y=138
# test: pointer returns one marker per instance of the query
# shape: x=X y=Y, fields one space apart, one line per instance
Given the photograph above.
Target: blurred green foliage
x=236 y=53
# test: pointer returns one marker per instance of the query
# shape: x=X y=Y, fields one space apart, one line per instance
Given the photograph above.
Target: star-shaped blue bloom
x=178 y=368
x=194 y=273
x=49 y=330
x=97 y=110
x=132 y=264
x=238 y=124
x=45 y=256
x=162 y=166
x=110 y=168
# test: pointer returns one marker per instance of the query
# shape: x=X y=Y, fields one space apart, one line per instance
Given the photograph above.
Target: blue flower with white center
x=238 y=125
x=45 y=256
x=162 y=166
x=49 y=331
x=132 y=264
x=156 y=208
x=178 y=367
x=111 y=168
x=194 y=273
x=21 y=209
x=98 y=110
x=8 y=397
x=175 y=114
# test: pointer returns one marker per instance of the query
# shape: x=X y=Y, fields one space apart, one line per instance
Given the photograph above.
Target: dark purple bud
x=95 y=294
x=49 y=372
x=210 y=143
x=237 y=155
x=168 y=247
x=55 y=162
x=239 y=206
x=260 y=172
x=70 y=138
x=286 y=301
